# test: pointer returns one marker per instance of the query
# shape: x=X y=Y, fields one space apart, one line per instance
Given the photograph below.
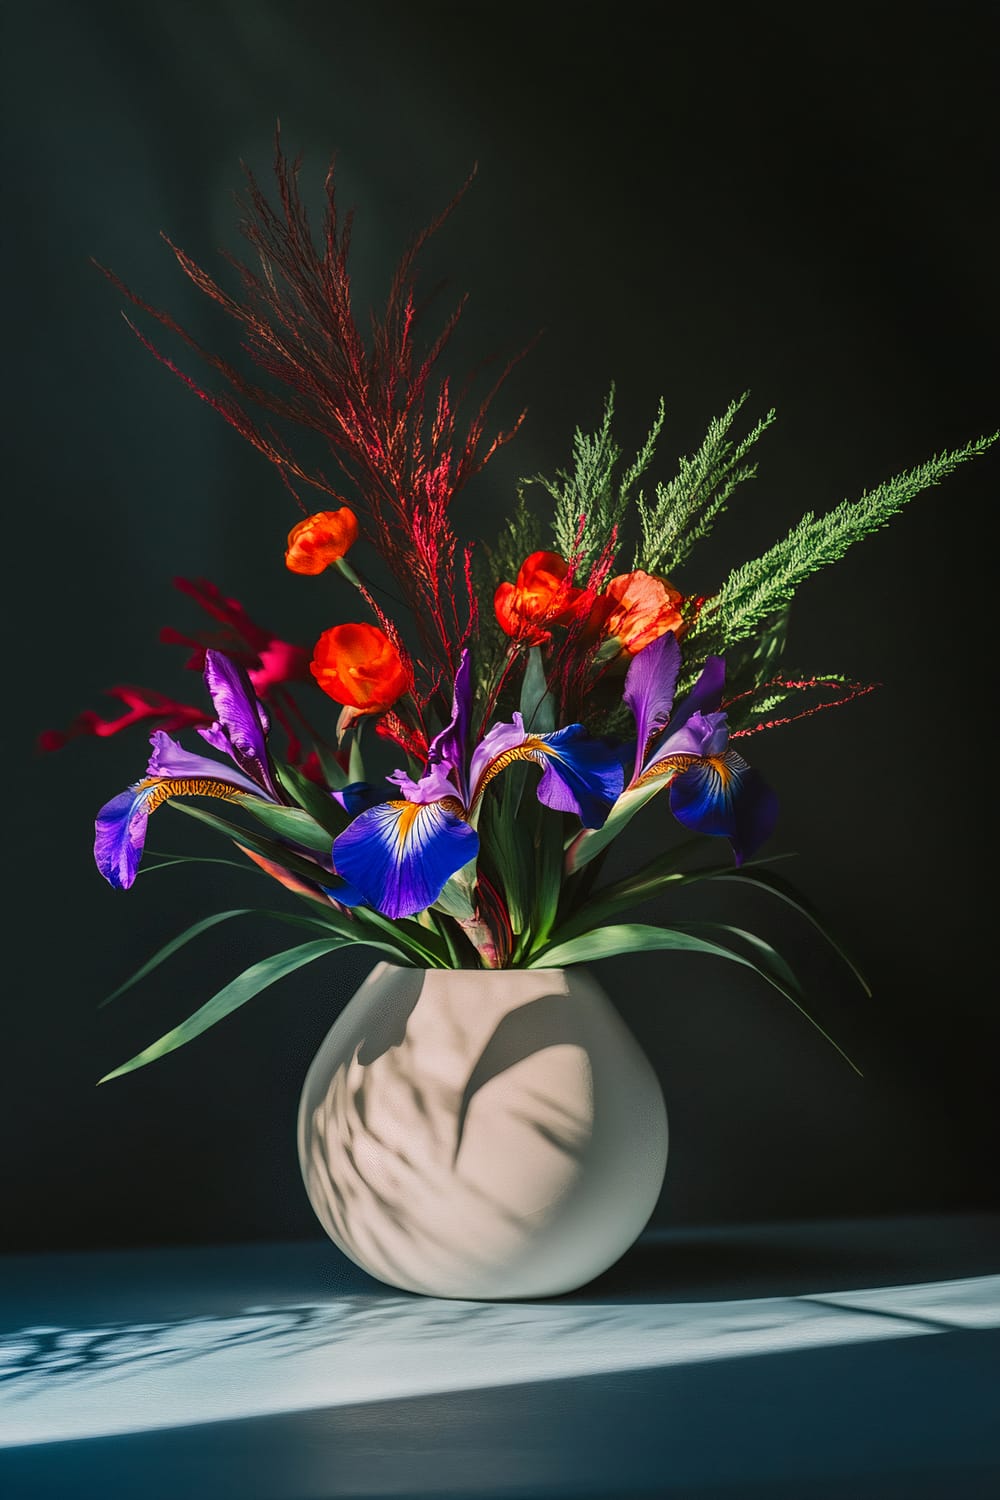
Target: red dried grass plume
x=391 y=423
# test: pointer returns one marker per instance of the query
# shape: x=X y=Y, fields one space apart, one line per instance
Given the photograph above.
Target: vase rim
x=461 y=969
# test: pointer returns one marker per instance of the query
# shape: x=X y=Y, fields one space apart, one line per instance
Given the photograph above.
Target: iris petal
x=493 y=747
x=400 y=855
x=447 y=750
x=581 y=774
x=119 y=836
x=650 y=683
x=241 y=730
x=120 y=829
x=706 y=695
x=700 y=734
x=722 y=795
x=171 y=760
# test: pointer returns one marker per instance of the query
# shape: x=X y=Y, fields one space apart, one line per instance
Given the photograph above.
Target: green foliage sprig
x=755 y=591
x=686 y=508
x=591 y=503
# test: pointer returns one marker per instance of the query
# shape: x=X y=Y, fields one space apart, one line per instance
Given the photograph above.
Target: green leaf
x=318 y=803
x=606 y=942
x=244 y=987
x=296 y=864
x=593 y=841
x=289 y=823
x=168 y=860
x=333 y=924
x=537 y=703
x=548 y=843
x=409 y=940
x=633 y=937
x=442 y=926
x=786 y=892
x=769 y=645
x=776 y=968
x=456 y=898
x=195 y=930
x=663 y=871
x=414 y=941
x=591 y=501
x=686 y=509
x=622 y=895
x=509 y=843
x=777 y=972
x=355 y=760
x=333 y=772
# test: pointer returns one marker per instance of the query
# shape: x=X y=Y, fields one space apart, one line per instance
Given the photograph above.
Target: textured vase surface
x=482 y=1134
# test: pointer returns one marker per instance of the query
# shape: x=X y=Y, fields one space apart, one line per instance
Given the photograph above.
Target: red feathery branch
x=391 y=425
x=837 y=694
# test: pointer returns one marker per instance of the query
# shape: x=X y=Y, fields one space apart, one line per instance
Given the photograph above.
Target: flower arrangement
x=537 y=690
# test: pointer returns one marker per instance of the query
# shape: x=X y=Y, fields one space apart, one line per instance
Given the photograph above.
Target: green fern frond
x=686 y=509
x=590 y=491
x=756 y=590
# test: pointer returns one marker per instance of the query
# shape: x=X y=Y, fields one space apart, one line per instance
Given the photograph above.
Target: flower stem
x=513 y=652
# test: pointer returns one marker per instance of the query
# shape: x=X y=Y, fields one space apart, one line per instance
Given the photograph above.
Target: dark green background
x=689 y=204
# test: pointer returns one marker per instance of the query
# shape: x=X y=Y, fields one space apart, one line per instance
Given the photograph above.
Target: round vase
x=482 y=1134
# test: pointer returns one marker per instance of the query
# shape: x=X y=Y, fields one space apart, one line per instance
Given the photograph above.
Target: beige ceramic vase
x=482 y=1134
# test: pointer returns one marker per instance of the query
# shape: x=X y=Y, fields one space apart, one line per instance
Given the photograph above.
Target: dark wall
x=690 y=201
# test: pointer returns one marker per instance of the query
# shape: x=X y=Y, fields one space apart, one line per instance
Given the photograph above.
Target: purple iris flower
x=401 y=854
x=240 y=731
x=712 y=789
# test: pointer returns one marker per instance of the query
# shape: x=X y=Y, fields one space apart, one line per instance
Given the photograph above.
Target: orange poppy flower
x=543 y=595
x=641 y=608
x=320 y=540
x=358 y=666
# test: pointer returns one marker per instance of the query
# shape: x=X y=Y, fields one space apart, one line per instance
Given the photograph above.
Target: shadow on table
x=909 y=1419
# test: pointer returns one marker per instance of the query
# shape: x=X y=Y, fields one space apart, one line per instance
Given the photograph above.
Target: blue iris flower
x=401 y=854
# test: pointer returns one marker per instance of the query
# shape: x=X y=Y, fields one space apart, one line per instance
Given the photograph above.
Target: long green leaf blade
x=786 y=892
x=612 y=900
x=174 y=946
x=537 y=704
x=331 y=925
x=289 y=823
x=244 y=987
x=663 y=872
x=413 y=941
x=298 y=864
x=776 y=971
x=513 y=850
x=630 y=937
x=607 y=942
x=167 y=861
x=593 y=841
x=318 y=803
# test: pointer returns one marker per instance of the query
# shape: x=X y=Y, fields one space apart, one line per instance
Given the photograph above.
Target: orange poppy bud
x=642 y=607
x=320 y=540
x=358 y=665
x=543 y=595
